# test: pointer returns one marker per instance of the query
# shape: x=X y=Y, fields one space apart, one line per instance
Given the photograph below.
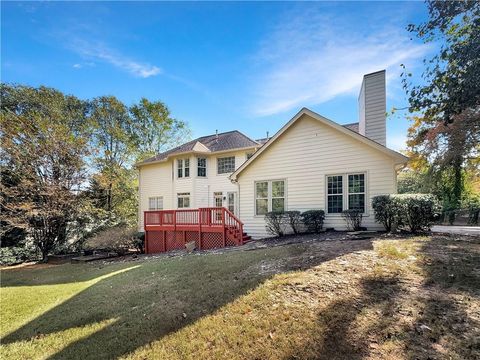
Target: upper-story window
x=183 y=168
x=226 y=165
x=201 y=167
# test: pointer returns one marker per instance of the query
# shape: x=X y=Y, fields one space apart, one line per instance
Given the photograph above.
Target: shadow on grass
x=452 y=280
x=341 y=337
x=160 y=297
x=444 y=325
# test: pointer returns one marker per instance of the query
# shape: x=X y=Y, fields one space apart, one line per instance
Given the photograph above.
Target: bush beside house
x=411 y=212
x=277 y=223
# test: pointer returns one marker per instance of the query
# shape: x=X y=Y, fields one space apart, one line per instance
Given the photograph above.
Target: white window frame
x=183 y=196
x=155 y=199
x=226 y=157
x=199 y=167
x=182 y=165
x=217 y=195
x=345 y=192
x=327 y=195
x=364 y=193
x=270 y=197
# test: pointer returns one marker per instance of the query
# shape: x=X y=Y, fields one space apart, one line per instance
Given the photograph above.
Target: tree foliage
x=447 y=134
x=68 y=165
x=43 y=151
x=155 y=129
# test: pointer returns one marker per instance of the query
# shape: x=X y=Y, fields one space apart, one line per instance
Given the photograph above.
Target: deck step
x=246 y=238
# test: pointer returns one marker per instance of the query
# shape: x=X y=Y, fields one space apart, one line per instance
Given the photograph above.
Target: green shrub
x=384 y=210
x=412 y=212
x=275 y=223
x=353 y=217
x=17 y=255
x=416 y=211
x=313 y=220
x=294 y=219
x=473 y=206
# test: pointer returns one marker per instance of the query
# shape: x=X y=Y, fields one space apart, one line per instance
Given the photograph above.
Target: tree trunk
x=458 y=181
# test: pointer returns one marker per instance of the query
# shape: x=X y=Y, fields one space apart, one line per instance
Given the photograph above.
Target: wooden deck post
x=223 y=228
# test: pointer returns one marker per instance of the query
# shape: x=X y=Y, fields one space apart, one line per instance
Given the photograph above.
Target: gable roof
x=347 y=130
x=208 y=144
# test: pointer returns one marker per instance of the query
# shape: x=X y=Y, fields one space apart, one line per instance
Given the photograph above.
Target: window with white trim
x=201 y=167
x=269 y=196
x=218 y=199
x=155 y=203
x=346 y=191
x=183 y=168
x=183 y=200
x=334 y=194
x=356 y=192
x=226 y=165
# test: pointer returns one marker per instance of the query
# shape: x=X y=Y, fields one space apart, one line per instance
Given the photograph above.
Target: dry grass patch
x=413 y=298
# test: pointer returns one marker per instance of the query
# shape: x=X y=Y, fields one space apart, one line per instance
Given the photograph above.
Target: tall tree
x=114 y=144
x=448 y=132
x=155 y=129
x=44 y=145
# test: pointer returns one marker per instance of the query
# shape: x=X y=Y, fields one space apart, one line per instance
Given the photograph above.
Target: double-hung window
x=183 y=168
x=226 y=165
x=201 y=167
x=346 y=191
x=183 y=200
x=356 y=192
x=335 y=194
x=155 y=203
x=269 y=196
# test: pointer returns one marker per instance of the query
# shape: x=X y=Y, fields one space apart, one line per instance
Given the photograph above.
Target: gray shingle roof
x=352 y=126
x=214 y=143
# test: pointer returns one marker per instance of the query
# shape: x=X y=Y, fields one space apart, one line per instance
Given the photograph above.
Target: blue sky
x=246 y=66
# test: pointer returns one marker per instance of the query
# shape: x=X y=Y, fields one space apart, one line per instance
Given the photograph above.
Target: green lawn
x=415 y=298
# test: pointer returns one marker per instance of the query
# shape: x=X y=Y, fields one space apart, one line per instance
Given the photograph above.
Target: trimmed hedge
x=411 y=212
x=313 y=220
x=277 y=223
x=294 y=219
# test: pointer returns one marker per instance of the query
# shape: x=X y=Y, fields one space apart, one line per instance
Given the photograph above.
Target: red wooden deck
x=210 y=228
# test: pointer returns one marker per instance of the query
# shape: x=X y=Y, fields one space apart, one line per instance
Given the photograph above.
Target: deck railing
x=218 y=220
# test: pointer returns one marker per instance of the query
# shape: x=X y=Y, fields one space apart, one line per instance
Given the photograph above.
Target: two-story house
x=310 y=163
x=195 y=174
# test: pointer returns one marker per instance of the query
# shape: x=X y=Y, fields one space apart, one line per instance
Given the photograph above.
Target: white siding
x=372 y=107
x=154 y=180
x=304 y=155
x=161 y=179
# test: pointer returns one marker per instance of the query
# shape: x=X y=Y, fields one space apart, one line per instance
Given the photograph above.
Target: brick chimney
x=372 y=107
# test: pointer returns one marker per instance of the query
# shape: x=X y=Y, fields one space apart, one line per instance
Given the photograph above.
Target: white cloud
x=308 y=60
x=100 y=52
x=77 y=66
